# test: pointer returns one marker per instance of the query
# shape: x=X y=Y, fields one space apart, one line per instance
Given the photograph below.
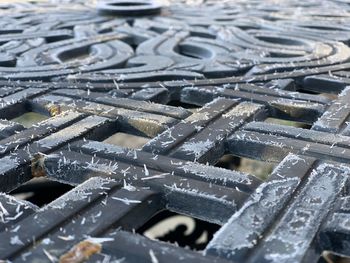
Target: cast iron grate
x=257 y=81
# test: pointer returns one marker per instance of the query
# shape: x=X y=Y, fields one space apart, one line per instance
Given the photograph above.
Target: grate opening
x=184 y=231
x=29 y=119
x=330 y=257
x=177 y=103
x=288 y=123
x=127 y=140
x=41 y=191
x=259 y=169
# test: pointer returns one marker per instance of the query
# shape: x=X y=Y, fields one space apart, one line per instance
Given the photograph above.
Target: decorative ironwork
x=126 y=67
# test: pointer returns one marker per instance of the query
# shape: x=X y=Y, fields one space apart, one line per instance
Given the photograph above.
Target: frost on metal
x=336 y=118
x=245 y=227
x=126 y=201
x=300 y=220
x=71 y=132
x=8 y=163
x=109 y=169
x=95 y=72
x=12 y=209
x=197 y=148
x=243 y=109
x=103 y=147
x=61 y=119
x=80 y=193
x=215 y=174
x=304 y=216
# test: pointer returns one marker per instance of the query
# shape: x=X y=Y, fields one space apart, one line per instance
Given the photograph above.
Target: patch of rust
x=38 y=166
x=81 y=252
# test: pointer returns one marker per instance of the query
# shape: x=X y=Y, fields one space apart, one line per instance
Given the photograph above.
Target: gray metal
x=199 y=82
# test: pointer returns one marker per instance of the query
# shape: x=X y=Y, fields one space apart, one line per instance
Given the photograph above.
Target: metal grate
x=265 y=81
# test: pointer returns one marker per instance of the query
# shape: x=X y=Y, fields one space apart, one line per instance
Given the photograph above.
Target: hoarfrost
x=220 y=174
x=81 y=192
x=16 y=241
x=197 y=148
x=126 y=200
x=103 y=147
x=153 y=256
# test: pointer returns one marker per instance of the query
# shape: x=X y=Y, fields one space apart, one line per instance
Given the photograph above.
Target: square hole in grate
x=329 y=257
x=41 y=191
x=178 y=229
x=288 y=123
x=30 y=118
x=127 y=140
x=190 y=107
x=259 y=169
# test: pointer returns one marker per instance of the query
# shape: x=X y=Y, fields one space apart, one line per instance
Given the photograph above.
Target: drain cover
x=116 y=117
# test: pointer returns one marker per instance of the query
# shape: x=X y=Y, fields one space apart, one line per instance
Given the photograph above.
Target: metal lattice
x=95 y=70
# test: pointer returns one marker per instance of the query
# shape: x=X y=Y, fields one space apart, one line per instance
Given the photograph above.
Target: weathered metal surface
x=95 y=70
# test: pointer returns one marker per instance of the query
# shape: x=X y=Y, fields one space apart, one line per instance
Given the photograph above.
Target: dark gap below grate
x=179 y=229
x=41 y=191
x=260 y=169
x=177 y=103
